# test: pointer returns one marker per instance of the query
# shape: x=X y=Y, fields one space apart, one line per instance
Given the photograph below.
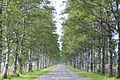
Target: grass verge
x=91 y=75
x=31 y=75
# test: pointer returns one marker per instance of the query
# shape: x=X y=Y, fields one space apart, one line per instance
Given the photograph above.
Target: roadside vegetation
x=91 y=75
x=30 y=75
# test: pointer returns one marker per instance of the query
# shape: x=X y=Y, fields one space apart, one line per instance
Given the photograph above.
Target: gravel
x=61 y=72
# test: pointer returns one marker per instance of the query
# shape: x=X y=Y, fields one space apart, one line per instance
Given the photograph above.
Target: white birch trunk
x=7 y=43
x=16 y=53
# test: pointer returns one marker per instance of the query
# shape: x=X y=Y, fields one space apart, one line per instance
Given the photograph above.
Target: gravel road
x=61 y=72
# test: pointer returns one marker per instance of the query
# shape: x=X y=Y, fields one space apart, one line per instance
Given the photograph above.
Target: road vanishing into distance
x=60 y=72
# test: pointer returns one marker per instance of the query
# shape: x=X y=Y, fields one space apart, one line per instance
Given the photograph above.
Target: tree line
x=89 y=41
x=27 y=36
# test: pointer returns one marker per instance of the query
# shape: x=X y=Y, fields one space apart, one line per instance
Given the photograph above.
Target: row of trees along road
x=88 y=36
x=27 y=36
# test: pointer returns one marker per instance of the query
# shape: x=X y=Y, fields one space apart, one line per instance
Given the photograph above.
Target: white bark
x=16 y=53
x=7 y=43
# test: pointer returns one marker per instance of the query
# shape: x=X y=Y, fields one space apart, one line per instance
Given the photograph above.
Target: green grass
x=91 y=75
x=31 y=75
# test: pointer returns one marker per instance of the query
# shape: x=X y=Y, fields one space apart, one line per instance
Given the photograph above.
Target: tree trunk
x=94 y=61
x=7 y=59
x=87 y=60
x=38 y=64
x=0 y=34
x=24 y=11
x=41 y=61
x=45 y=62
x=118 y=69
x=38 y=60
x=82 y=61
x=103 y=54
x=16 y=53
x=91 y=60
x=99 y=55
x=30 y=62
x=74 y=61
x=7 y=44
x=21 y=52
x=110 y=52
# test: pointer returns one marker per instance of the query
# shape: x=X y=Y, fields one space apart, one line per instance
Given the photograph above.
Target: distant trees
x=88 y=35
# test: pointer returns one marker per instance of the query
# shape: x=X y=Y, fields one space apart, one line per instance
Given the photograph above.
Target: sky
x=59 y=6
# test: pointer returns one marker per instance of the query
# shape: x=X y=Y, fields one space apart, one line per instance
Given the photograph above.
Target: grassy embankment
x=91 y=75
x=29 y=76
